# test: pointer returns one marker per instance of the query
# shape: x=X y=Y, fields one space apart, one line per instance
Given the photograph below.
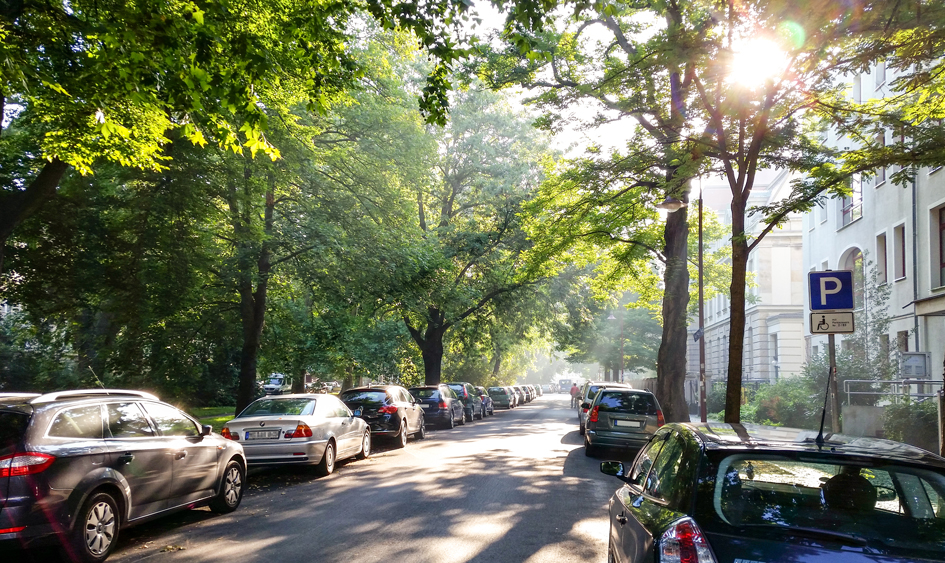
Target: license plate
x=628 y=423
x=262 y=435
x=429 y=406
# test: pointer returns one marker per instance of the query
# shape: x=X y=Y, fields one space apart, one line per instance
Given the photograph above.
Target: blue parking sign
x=831 y=291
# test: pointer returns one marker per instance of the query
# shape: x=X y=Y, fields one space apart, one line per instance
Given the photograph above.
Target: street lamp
x=671 y=205
x=613 y=318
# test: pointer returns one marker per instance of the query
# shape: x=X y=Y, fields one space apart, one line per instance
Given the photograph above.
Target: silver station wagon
x=621 y=418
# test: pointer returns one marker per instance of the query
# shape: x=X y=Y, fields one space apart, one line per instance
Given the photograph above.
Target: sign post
x=831 y=306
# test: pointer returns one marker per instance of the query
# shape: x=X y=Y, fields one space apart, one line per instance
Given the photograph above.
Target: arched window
x=854 y=261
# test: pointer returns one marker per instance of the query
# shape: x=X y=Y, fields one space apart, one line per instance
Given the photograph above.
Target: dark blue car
x=722 y=493
x=440 y=405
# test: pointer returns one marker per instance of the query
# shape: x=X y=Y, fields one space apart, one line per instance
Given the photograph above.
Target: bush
x=913 y=422
x=786 y=402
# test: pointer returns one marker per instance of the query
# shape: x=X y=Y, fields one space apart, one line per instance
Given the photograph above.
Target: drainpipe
x=915 y=262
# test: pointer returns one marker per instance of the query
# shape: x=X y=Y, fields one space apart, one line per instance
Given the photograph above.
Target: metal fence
x=898 y=389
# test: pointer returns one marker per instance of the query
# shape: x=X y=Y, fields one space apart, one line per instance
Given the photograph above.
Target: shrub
x=913 y=422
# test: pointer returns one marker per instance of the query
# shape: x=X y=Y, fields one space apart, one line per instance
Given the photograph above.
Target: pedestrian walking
x=574 y=394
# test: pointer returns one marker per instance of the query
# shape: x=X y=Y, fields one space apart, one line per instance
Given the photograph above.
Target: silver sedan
x=301 y=429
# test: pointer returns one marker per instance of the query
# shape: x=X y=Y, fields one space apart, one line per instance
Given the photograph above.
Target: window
x=857 y=89
x=879 y=74
x=852 y=207
x=672 y=473
x=881 y=258
x=880 y=172
x=854 y=262
x=902 y=340
x=125 y=420
x=899 y=239
x=822 y=212
x=941 y=246
x=81 y=422
x=645 y=460
x=170 y=421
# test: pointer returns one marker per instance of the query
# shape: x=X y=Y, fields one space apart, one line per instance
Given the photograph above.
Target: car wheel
x=581 y=431
x=468 y=415
x=327 y=464
x=589 y=450
x=365 y=445
x=96 y=529
x=402 y=437
x=231 y=489
x=611 y=557
x=422 y=432
x=492 y=410
x=462 y=419
x=451 y=422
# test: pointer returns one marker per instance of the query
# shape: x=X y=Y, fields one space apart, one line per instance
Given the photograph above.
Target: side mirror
x=357 y=412
x=205 y=430
x=614 y=468
x=885 y=494
x=585 y=406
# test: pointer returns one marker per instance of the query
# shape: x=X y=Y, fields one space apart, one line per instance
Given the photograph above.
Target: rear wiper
x=850 y=539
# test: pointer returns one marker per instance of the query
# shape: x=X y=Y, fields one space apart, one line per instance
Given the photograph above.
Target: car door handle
x=621 y=518
x=126 y=457
x=180 y=455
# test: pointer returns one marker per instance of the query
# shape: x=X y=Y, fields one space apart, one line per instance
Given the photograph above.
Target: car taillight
x=388 y=409
x=301 y=431
x=659 y=418
x=443 y=405
x=24 y=464
x=593 y=416
x=229 y=435
x=684 y=542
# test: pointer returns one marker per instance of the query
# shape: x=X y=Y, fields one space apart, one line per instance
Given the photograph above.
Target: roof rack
x=5 y=395
x=79 y=393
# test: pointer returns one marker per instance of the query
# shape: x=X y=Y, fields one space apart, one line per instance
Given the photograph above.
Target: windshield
x=627 y=403
x=369 y=397
x=425 y=393
x=882 y=504
x=496 y=391
x=294 y=407
x=275 y=381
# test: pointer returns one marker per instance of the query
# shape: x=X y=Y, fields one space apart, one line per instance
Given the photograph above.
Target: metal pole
x=941 y=422
x=620 y=377
x=832 y=385
x=702 y=406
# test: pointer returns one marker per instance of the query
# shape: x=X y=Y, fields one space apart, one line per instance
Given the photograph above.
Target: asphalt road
x=515 y=487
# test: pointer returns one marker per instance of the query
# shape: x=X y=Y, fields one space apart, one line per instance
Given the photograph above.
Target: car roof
x=722 y=436
x=374 y=388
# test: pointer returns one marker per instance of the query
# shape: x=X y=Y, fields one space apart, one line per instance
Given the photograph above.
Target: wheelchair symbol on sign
x=823 y=325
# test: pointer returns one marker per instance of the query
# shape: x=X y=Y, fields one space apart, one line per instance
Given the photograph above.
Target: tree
x=668 y=67
x=468 y=218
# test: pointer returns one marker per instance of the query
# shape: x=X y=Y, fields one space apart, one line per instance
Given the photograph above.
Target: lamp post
x=672 y=204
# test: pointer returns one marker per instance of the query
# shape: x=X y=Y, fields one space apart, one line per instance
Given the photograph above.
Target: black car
x=388 y=409
x=77 y=466
x=440 y=405
x=722 y=493
x=488 y=407
x=472 y=403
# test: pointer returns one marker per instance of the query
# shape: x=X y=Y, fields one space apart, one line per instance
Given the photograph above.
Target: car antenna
x=823 y=413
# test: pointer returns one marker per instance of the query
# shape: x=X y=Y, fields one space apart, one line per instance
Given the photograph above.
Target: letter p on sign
x=824 y=292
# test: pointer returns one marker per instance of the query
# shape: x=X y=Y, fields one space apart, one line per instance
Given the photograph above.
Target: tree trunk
x=430 y=344
x=736 y=339
x=671 y=358
x=252 y=303
x=17 y=205
x=496 y=366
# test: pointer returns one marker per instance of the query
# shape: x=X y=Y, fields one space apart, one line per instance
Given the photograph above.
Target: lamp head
x=671 y=204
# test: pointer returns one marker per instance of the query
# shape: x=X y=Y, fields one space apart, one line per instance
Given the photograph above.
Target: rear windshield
x=886 y=505
x=496 y=391
x=425 y=393
x=368 y=397
x=294 y=407
x=12 y=428
x=627 y=403
x=460 y=389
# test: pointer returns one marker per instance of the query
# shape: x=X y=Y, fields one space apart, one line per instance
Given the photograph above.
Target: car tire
x=327 y=464
x=611 y=557
x=402 y=436
x=468 y=415
x=581 y=430
x=462 y=419
x=231 y=489
x=365 y=445
x=451 y=422
x=422 y=432
x=96 y=529
x=589 y=450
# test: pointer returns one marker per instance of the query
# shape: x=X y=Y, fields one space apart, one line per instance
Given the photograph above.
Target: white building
x=774 y=324
x=901 y=230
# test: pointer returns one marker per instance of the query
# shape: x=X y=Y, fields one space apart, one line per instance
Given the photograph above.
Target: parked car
x=277 y=384
x=502 y=397
x=78 y=466
x=488 y=406
x=588 y=392
x=526 y=393
x=621 y=418
x=472 y=403
x=302 y=429
x=537 y=389
x=730 y=492
x=389 y=410
x=440 y=405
